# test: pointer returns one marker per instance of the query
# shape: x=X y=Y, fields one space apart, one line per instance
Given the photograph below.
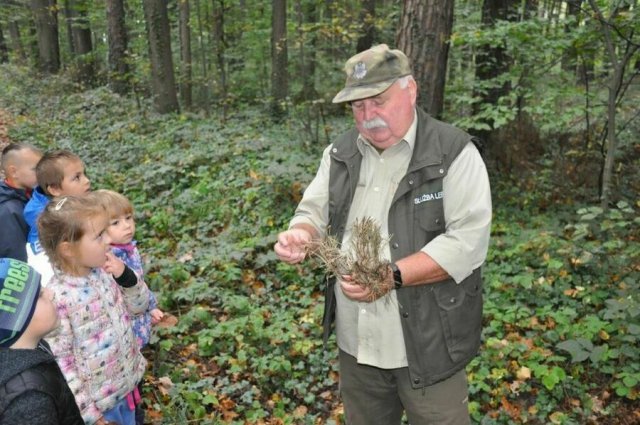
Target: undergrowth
x=562 y=310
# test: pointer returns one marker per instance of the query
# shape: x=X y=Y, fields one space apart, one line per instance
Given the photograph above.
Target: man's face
x=23 y=170
x=384 y=119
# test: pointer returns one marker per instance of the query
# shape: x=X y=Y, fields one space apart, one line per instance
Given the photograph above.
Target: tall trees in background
x=510 y=62
x=163 y=83
x=45 y=14
x=423 y=34
x=279 y=57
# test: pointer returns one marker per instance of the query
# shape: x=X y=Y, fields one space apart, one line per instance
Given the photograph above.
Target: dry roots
x=363 y=262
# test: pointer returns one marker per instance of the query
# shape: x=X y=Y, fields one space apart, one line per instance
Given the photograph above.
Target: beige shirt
x=360 y=326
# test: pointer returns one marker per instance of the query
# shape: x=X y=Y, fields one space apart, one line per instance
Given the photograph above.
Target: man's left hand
x=354 y=291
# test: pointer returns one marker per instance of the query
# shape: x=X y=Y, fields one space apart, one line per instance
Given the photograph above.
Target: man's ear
x=54 y=190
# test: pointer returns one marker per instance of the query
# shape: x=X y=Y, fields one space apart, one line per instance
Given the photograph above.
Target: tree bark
x=46 y=25
x=367 y=17
x=4 y=50
x=117 y=37
x=308 y=42
x=81 y=35
x=279 y=58
x=16 y=41
x=220 y=48
x=423 y=35
x=163 y=84
x=185 y=54
x=570 y=58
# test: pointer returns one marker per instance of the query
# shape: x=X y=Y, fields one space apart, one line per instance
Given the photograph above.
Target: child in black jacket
x=32 y=387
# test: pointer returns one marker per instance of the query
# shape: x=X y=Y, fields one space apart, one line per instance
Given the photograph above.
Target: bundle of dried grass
x=363 y=262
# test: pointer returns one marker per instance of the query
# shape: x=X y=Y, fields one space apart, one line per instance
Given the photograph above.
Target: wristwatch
x=397 y=276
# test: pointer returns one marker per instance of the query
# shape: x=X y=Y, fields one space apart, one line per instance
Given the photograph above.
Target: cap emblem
x=359 y=71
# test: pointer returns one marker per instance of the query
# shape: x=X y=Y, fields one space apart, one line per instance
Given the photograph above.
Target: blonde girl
x=95 y=295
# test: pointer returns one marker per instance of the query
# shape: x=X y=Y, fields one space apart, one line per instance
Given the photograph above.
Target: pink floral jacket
x=94 y=344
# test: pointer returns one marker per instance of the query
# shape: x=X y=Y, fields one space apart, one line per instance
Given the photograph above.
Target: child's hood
x=14 y=361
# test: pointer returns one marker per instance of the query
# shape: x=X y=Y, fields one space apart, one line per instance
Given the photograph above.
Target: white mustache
x=374 y=123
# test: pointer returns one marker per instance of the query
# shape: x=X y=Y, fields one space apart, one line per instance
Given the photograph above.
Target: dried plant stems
x=363 y=261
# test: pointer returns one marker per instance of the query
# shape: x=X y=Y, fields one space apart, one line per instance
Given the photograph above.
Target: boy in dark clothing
x=32 y=387
x=19 y=166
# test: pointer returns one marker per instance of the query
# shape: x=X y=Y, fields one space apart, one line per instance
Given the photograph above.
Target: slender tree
x=308 y=44
x=423 y=34
x=46 y=26
x=4 y=50
x=185 y=54
x=117 y=41
x=81 y=35
x=16 y=41
x=279 y=57
x=620 y=46
x=163 y=83
x=220 y=48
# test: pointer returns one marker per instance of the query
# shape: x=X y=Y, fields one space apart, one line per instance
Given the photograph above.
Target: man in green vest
x=426 y=184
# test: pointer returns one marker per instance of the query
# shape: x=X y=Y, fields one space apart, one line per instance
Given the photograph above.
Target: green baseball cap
x=371 y=72
x=19 y=291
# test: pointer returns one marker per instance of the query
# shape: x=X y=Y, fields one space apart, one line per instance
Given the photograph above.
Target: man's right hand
x=291 y=245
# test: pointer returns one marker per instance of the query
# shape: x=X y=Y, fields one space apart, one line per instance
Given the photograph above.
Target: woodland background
x=212 y=115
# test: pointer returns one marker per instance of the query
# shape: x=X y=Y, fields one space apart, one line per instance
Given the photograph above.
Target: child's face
x=23 y=172
x=121 y=229
x=45 y=316
x=75 y=181
x=91 y=250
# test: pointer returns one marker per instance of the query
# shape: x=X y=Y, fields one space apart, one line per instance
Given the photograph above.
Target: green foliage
x=562 y=311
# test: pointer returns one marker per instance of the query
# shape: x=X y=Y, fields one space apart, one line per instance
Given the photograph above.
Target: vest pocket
x=430 y=219
x=460 y=308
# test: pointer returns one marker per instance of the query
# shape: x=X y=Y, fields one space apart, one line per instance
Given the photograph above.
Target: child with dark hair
x=32 y=387
x=19 y=166
x=59 y=173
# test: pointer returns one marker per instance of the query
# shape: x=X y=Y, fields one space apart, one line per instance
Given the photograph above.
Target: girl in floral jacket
x=95 y=294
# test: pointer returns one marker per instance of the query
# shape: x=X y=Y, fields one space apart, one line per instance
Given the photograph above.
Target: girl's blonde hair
x=115 y=203
x=64 y=220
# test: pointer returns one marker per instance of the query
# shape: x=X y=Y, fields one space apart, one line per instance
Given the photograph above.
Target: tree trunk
x=185 y=54
x=163 y=84
x=423 y=35
x=570 y=58
x=46 y=25
x=81 y=35
x=308 y=45
x=4 y=50
x=619 y=57
x=279 y=58
x=367 y=17
x=67 y=15
x=16 y=41
x=117 y=35
x=220 y=48
x=204 y=60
